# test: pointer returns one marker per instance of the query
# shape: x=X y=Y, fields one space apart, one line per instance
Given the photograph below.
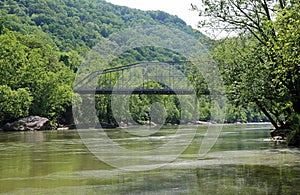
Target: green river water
x=58 y=162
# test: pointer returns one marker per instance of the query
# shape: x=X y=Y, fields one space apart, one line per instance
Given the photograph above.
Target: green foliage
x=14 y=103
x=74 y=25
x=29 y=62
x=261 y=64
x=141 y=109
x=294 y=137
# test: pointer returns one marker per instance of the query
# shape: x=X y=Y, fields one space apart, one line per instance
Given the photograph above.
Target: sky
x=181 y=8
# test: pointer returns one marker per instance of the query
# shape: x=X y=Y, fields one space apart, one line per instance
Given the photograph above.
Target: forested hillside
x=77 y=24
x=42 y=43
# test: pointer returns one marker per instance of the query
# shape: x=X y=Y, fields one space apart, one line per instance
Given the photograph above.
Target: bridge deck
x=136 y=91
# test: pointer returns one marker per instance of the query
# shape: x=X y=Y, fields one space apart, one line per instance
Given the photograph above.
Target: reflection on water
x=57 y=162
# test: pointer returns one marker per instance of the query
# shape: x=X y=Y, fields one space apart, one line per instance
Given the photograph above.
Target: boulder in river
x=30 y=123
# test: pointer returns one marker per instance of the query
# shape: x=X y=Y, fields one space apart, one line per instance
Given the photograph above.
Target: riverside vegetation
x=42 y=44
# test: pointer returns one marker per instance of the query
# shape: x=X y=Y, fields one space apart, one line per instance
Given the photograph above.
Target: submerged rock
x=30 y=123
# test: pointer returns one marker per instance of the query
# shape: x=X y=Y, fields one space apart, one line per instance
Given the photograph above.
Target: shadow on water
x=57 y=162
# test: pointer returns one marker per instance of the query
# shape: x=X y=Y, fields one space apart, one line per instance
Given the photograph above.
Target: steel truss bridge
x=161 y=78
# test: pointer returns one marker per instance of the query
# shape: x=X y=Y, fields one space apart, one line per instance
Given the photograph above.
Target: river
x=59 y=162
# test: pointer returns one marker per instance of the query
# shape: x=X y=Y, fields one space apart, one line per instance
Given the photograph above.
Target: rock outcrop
x=30 y=123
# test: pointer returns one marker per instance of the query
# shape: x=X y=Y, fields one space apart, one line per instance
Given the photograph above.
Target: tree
x=13 y=103
x=260 y=64
x=33 y=79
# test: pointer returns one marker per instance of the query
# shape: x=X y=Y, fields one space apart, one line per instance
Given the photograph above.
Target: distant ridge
x=79 y=24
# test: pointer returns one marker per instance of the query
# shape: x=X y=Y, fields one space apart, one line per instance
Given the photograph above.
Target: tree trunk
x=262 y=108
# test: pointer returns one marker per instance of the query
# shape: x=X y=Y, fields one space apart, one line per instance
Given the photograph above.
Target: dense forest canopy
x=44 y=42
x=75 y=25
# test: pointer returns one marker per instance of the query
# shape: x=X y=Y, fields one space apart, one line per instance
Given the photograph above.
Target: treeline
x=42 y=44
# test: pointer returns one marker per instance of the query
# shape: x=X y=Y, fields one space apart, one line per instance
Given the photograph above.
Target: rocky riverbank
x=30 y=123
